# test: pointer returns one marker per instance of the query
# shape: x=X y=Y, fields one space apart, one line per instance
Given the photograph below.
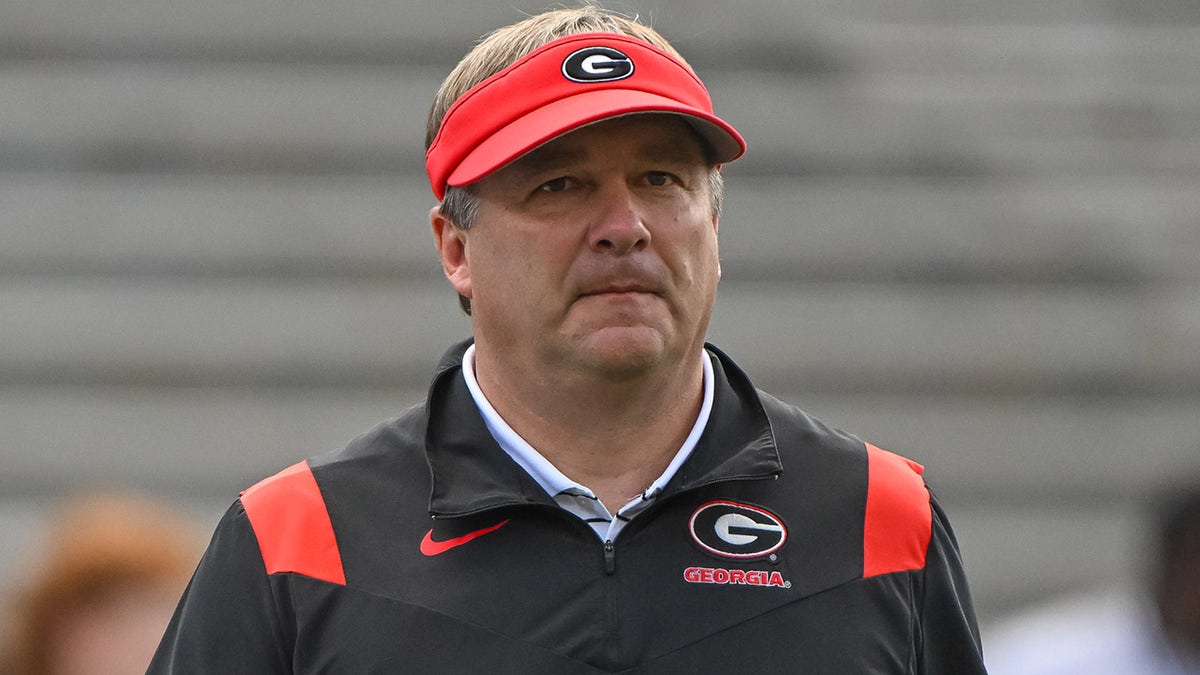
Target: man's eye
x=658 y=178
x=556 y=185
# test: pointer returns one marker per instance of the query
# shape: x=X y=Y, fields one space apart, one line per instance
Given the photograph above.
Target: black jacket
x=781 y=546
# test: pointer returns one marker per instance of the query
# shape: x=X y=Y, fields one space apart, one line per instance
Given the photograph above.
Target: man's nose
x=618 y=226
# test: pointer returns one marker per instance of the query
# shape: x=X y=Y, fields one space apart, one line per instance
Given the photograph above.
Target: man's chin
x=625 y=352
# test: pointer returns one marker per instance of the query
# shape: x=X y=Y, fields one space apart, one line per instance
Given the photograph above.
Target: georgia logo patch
x=597 y=64
x=738 y=531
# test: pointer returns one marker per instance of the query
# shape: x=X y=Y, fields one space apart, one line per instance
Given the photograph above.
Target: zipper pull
x=610 y=557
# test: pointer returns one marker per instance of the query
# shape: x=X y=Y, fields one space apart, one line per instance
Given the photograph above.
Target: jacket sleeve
x=228 y=619
x=948 y=632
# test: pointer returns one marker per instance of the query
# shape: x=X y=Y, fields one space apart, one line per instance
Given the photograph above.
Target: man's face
x=597 y=251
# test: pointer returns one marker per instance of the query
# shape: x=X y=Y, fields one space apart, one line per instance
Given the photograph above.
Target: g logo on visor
x=597 y=64
x=738 y=531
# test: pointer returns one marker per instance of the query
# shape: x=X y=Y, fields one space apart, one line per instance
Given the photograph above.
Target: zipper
x=610 y=586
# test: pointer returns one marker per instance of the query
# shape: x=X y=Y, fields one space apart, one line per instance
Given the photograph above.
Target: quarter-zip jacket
x=780 y=546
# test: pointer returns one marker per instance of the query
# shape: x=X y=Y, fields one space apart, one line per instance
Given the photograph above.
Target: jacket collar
x=471 y=473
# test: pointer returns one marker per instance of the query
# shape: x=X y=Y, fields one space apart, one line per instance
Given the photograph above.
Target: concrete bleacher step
x=1110 y=230
x=1018 y=555
x=1125 y=53
x=1121 y=229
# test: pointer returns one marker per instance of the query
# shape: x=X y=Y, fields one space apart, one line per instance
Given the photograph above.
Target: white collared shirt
x=570 y=495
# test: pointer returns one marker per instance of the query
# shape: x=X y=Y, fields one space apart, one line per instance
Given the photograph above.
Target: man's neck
x=615 y=437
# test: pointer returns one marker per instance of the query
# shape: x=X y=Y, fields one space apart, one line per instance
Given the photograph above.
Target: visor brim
x=570 y=113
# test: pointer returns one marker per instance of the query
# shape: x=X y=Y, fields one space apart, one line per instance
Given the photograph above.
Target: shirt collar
x=542 y=470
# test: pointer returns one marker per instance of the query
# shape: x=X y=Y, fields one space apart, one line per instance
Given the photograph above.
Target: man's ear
x=452 y=249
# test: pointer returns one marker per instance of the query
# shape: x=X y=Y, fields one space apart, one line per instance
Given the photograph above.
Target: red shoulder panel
x=899 y=518
x=291 y=522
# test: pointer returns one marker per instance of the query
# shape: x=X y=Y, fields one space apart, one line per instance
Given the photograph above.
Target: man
x=608 y=494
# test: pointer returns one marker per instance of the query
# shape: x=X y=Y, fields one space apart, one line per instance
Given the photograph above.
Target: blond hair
x=504 y=46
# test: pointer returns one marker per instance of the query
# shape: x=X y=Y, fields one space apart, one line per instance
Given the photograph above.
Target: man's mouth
x=620 y=289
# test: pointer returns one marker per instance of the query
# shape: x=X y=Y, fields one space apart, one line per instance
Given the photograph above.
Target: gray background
x=966 y=230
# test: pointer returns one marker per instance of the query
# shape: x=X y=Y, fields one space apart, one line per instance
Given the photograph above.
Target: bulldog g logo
x=738 y=531
x=597 y=64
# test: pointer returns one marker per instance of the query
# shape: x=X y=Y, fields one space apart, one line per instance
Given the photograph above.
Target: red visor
x=560 y=87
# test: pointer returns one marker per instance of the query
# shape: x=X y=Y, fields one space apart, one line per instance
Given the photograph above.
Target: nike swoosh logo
x=431 y=548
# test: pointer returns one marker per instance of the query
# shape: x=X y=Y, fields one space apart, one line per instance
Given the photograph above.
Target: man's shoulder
x=390 y=450
x=798 y=431
x=296 y=512
x=395 y=440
